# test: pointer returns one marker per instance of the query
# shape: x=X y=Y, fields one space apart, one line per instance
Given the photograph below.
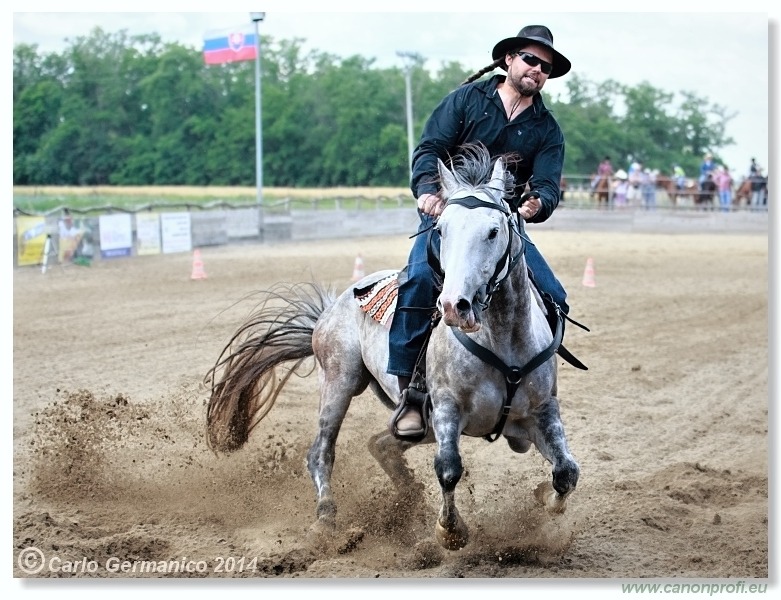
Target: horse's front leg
x=451 y=532
x=548 y=436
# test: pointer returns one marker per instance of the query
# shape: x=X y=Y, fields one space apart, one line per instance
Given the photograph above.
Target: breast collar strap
x=512 y=374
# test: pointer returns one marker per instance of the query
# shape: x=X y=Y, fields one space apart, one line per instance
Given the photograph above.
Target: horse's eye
x=493 y=234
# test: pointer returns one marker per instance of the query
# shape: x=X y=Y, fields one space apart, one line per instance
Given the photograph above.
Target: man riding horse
x=507 y=113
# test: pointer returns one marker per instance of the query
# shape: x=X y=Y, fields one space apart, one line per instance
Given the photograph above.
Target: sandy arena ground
x=669 y=425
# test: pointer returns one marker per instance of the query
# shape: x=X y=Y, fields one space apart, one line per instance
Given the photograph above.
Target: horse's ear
x=497 y=177
x=449 y=183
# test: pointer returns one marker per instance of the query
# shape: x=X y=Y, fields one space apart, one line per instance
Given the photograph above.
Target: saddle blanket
x=378 y=299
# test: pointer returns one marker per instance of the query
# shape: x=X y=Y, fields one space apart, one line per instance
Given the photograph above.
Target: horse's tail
x=243 y=381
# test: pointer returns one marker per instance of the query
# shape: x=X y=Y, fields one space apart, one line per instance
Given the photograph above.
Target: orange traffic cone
x=588 y=275
x=358 y=268
x=198 y=272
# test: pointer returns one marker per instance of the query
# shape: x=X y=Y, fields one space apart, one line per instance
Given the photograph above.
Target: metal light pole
x=408 y=81
x=257 y=17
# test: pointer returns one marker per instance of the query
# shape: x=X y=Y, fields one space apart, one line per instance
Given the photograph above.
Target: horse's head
x=476 y=229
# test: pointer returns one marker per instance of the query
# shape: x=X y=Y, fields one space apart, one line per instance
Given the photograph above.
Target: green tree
x=120 y=109
x=591 y=128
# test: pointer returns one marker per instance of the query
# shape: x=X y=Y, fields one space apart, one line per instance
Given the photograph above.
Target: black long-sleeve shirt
x=474 y=113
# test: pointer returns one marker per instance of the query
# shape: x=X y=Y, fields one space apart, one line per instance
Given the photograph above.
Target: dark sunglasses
x=533 y=61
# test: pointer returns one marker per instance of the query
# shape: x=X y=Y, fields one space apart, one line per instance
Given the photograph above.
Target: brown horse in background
x=742 y=196
x=601 y=190
x=704 y=197
x=674 y=193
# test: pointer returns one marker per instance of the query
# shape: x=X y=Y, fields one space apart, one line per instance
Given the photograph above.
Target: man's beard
x=522 y=86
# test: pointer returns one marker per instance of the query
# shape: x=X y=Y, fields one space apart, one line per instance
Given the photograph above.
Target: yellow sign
x=31 y=240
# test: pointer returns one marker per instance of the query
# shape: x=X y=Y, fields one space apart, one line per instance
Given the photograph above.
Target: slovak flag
x=229 y=45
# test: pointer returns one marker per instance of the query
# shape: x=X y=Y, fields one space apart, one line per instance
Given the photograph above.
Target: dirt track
x=669 y=425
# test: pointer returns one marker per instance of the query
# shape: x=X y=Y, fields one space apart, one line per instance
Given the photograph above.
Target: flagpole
x=256 y=18
x=410 y=57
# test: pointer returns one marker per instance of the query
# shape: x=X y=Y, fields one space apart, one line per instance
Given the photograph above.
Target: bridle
x=505 y=263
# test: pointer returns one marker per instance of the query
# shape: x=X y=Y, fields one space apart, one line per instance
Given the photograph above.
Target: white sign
x=177 y=236
x=116 y=235
x=148 y=234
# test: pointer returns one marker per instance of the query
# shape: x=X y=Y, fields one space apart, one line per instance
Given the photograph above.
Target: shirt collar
x=538 y=106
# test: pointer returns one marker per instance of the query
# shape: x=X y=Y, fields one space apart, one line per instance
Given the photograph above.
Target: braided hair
x=498 y=62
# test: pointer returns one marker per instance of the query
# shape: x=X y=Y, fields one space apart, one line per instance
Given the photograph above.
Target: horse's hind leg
x=551 y=442
x=336 y=392
x=389 y=451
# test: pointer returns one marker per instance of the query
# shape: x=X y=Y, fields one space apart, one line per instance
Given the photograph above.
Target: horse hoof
x=325 y=537
x=321 y=534
x=550 y=498
x=452 y=539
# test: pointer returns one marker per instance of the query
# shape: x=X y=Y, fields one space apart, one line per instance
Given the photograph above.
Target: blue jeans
x=725 y=198
x=409 y=327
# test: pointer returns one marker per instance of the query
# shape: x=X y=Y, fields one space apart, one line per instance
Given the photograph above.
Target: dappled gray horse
x=490 y=366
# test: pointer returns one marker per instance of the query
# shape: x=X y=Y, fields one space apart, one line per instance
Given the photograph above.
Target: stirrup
x=414 y=399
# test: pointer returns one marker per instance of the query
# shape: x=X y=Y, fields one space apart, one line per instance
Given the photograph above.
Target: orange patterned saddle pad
x=378 y=299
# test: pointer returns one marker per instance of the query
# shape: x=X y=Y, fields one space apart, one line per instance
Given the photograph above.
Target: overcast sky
x=723 y=57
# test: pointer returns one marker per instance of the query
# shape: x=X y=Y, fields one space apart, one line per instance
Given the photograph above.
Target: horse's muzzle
x=459 y=314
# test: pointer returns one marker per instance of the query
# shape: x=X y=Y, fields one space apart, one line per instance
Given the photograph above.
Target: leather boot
x=407 y=420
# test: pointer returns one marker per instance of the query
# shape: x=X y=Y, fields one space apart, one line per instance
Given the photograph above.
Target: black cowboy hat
x=536 y=34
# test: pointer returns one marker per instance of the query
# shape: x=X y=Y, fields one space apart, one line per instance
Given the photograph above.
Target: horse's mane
x=472 y=168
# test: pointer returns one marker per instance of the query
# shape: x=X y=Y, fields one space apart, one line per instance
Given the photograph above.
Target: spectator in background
x=754 y=167
x=707 y=192
x=706 y=168
x=648 y=188
x=724 y=184
x=635 y=175
x=604 y=169
x=758 y=189
x=621 y=189
x=679 y=176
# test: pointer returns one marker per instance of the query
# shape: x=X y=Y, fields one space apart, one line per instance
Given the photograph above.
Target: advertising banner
x=31 y=239
x=177 y=235
x=148 y=234
x=75 y=240
x=116 y=235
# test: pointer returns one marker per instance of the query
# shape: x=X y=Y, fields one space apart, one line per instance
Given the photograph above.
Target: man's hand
x=431 y=204
x=530 y=208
